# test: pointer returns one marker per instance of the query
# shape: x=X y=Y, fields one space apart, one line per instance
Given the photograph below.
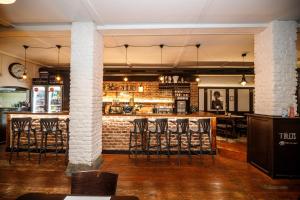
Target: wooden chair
x=94 y=183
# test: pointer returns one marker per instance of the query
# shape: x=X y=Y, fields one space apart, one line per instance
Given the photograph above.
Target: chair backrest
x=140 y=125
x=204 y=125
x=49 y=124
x=182 y=125
x=161 y=125
x=21 y=124
x=94 y=183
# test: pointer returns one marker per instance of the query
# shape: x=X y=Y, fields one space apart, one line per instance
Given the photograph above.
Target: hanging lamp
x=24 y=76
x=243 y=82
x=58 y=77
x=7 y=1
x=161 y=77
x=197 y=46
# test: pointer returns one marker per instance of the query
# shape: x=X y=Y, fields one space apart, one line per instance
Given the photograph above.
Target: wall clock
x=16 y=70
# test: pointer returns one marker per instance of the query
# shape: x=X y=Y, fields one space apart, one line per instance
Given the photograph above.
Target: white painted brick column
x=85 y=97
x=275 y=68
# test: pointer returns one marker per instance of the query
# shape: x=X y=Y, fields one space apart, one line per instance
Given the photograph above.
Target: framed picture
x=216 y=99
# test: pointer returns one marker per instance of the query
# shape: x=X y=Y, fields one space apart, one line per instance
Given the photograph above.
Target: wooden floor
x=157 y=178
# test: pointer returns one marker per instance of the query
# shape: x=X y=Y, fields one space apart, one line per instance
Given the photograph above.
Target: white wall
x=7 y=80
x=224 y=81
x=275 y=68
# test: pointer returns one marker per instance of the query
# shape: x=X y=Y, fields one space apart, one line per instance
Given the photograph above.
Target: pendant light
x=197 y=46
x=244 y=81
x=24 y=76
x=58 y=77
x=7 y=1
x=125 y=79
x=161 y=78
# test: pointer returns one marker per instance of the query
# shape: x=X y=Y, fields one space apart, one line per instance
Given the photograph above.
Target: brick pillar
x=275 y=68
x=85 y=97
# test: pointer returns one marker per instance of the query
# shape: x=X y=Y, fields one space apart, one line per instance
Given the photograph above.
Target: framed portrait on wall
x=216 y=99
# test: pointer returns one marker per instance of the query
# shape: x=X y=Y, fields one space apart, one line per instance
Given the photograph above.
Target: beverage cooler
x=38 y=98
x=54 y=98
x=46 y=98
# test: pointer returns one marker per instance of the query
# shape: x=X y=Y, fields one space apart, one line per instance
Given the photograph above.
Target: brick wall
x=275 y=68
x=152 y=91
x=194 y=94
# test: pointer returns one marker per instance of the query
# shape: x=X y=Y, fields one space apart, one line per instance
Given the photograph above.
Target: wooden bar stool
x=19 y=127
x=203 y=128
x=160 y=129
x=140 y=129
x=182 y=129
x=50 y=126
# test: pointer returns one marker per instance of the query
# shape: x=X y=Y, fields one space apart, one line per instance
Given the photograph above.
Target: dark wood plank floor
x=159 y=178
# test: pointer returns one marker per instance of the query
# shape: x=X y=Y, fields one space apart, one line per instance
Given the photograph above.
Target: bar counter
x=116 y=127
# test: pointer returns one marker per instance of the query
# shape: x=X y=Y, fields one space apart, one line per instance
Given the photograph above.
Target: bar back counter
x=274 y=145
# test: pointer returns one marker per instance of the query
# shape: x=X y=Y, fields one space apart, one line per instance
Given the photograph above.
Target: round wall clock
x=16 y=70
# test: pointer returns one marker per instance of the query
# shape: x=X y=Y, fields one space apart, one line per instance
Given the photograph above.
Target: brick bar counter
x=115 y=128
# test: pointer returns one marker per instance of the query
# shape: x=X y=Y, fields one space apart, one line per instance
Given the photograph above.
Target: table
x=41 y=196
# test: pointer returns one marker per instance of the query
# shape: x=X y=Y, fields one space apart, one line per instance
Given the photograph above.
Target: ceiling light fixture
x=7 y=1
x=198 y=79
x=24 y=76
x=58 y=77
x=125 y=79
x=244 y=81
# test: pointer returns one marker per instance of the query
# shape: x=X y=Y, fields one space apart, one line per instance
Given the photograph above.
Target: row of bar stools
x=139 y=131
x=50 y=126
x=161 y=129
x=22 y=126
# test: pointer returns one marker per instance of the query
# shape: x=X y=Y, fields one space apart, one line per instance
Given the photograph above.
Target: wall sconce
x=198 y=79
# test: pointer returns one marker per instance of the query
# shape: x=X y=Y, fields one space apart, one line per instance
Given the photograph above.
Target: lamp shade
x=7 y=1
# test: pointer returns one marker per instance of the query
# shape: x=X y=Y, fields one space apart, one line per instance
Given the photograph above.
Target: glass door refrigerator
x=54 y=98
x=38 y=100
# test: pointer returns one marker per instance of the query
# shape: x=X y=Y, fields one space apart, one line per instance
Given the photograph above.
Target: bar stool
x=67 y=121
x=161 y=128
x=140 y=129
x=19 y=126
x=203 y=128
x=50 y=126
x=182 y=128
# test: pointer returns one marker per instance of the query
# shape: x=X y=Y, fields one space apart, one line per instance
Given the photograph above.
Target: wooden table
x=41 y=196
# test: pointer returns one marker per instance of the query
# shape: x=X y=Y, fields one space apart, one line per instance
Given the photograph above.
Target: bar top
x=38 y=113
x=197 y=114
